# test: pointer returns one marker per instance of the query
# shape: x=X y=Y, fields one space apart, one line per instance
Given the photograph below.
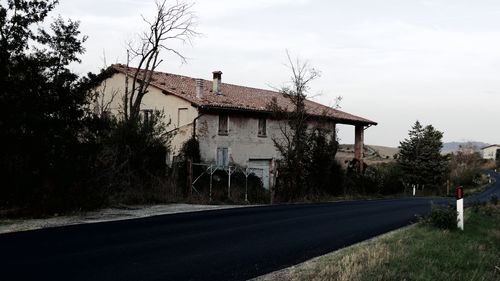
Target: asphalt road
x=232 y=244
x=485 y=196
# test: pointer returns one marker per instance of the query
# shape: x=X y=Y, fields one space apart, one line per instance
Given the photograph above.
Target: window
x=182 y=117
x=147 y=114
x=262 y=127
x=223 y=120
x=168 y=158
x=222 y=157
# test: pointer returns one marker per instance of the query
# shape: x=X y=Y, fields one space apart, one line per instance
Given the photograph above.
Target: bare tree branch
x=176 y=22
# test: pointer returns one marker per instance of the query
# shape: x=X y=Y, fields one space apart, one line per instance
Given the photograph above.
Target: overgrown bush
x=190 y=151
x=361 y=183
x=381 y=179
x=494 y=200
x=476 y=206
x=443 y=217
x=482 y=208
x=466 y=167
x=131 y=164
x=318 y=171
x=324 y=175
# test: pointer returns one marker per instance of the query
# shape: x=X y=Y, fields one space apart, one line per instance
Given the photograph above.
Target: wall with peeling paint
x=242 y=139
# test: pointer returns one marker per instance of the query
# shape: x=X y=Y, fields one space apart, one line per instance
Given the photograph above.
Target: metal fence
x=209 y=169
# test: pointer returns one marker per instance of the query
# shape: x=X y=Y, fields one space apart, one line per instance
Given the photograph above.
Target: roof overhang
x=229 y=109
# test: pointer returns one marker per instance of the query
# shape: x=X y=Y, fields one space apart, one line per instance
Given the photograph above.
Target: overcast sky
x=392 y=61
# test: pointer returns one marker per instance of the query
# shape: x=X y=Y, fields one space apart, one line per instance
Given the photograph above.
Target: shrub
x=443 y=217
x=131 y=163
x=488 y=210
x=482 y=208
x=476 y=206
x=494 y=200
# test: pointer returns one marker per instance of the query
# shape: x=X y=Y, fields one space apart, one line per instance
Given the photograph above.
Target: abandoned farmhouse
x=232 y=123
x=491 y=152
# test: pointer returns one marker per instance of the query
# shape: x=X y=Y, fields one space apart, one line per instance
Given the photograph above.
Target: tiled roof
x=491 y=145
x=237 y=97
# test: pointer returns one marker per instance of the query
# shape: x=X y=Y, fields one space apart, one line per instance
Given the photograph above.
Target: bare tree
x=465 y=164
x=102 y=102
x=296 y=119
x=174 y=22
x=292 y=142
x=307 y=144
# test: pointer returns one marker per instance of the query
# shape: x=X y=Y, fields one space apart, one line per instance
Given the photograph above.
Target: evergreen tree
x=420 y=156
x=43 y=113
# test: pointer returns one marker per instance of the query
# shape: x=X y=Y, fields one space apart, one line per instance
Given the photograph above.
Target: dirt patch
x=109 y=214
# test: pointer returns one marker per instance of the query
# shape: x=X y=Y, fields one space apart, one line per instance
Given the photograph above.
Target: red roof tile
x=237 y=97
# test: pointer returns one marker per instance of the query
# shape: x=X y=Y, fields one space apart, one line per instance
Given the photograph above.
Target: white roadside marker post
x=460 y=208
x=413 y=190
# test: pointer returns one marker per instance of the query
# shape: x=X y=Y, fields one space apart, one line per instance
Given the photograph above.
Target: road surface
x=232 y=244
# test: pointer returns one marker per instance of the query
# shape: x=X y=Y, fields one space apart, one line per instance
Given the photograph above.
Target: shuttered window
x=182 y=117
x=262 y=127
x=146 y=114
x=223 y=120
x=222 y=157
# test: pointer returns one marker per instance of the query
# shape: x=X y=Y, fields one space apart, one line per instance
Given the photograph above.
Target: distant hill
x=373 y=153
x=383 y=154
x=449 y=147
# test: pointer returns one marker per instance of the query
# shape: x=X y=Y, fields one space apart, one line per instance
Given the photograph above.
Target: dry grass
x=352 y=265
x=348 y=264
x=418 y=252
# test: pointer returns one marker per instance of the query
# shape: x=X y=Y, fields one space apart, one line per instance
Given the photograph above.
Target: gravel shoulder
x=108 y=214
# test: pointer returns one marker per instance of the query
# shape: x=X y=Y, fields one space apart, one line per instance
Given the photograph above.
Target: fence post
x=272 y=187
x=190 y=176
x=229 y=182
x=246 y=184
x=210 y=193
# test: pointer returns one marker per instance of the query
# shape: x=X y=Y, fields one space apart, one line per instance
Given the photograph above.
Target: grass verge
x=418 y=252
x=471 y=191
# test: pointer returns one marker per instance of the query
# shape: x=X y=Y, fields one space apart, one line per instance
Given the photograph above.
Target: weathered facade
x=232 y=123
x=490 y=151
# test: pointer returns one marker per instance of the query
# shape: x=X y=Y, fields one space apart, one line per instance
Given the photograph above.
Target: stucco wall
x=242 y=139
x=155 y=100
x=490 y=152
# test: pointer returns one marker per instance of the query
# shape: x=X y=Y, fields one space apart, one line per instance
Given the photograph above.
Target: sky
x=392 y=61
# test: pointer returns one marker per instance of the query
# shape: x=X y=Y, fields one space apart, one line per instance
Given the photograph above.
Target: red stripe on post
x=459 y=193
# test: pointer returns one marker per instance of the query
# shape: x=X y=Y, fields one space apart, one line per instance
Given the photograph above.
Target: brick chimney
x=199 y=88
x=217 y=82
